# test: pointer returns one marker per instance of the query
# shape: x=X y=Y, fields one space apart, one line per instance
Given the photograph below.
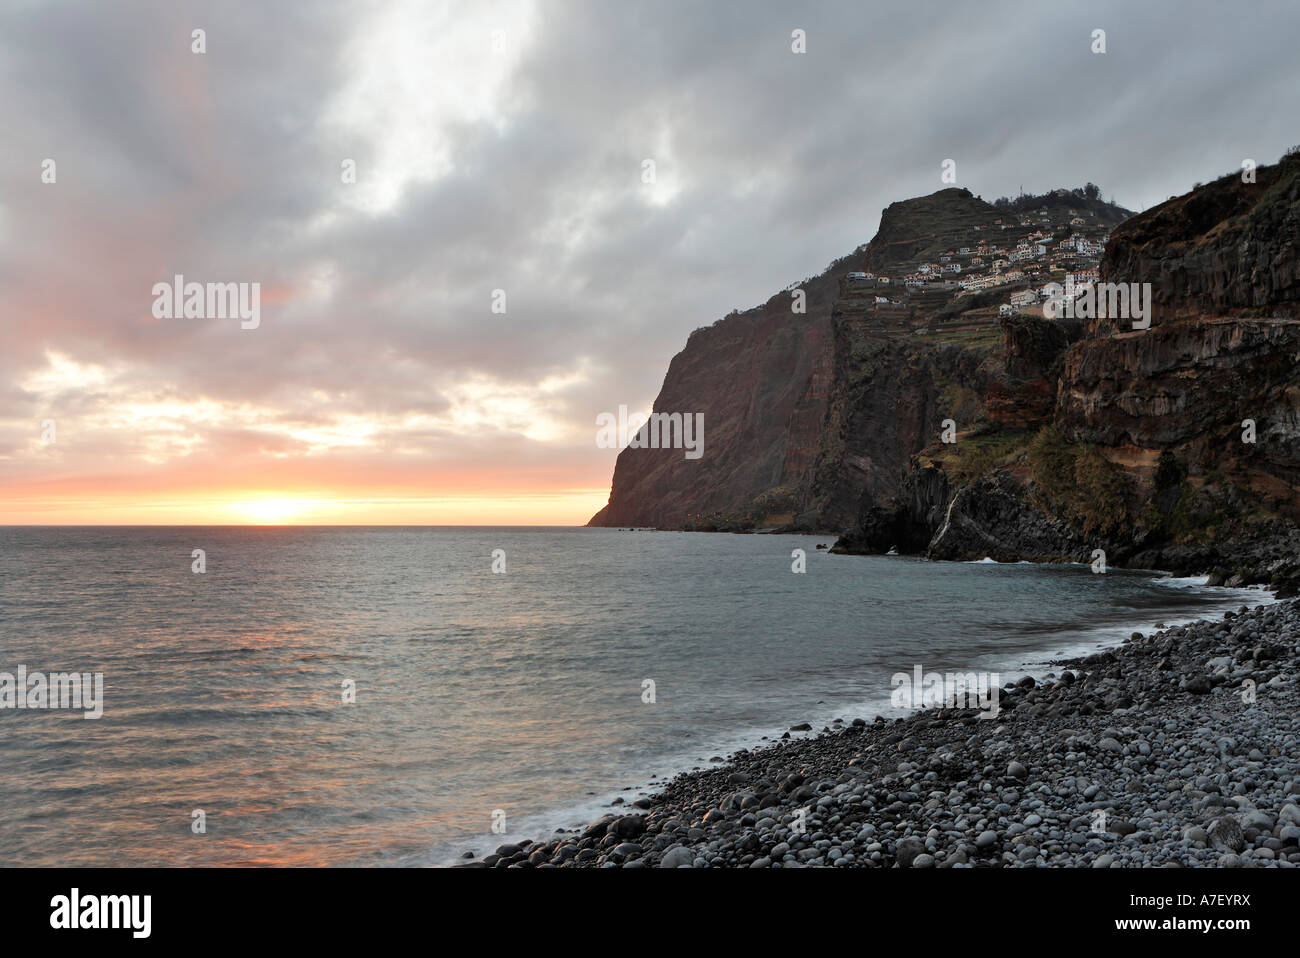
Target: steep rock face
x=761 y=380
x=993 y=517
x=1224 y=346
x=1175 y=382
x=907 y=522
x=813 y=421
x=807 y=417
x=882 y=414
x=1224 y=247
x=890 y=401
x=1154 y=422
x=1033 y=347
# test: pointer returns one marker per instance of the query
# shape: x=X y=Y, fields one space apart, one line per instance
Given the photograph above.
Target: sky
x=460 y=264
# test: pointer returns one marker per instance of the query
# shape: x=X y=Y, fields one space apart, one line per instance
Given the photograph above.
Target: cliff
x=941 y=421
x=1176 y=446
x=761 y=379
x=807 y=416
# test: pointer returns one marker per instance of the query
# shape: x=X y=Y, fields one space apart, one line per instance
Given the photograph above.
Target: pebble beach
x=1176 y=749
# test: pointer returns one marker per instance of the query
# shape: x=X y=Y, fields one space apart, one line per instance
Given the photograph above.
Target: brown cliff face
x=1148 y=454
x=882 y=414
x=812 y=421
x=1224 y=347
x=1071 y=435
x=808 y=417
x=1176 y=382
x=1033 y=349
x=1224 y=248
x=761 y=380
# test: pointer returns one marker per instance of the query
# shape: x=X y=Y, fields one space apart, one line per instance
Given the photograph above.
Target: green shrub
x=1079 y=481
x=1051 y=464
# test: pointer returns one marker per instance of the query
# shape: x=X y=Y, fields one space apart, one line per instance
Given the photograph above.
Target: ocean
x=380 y=696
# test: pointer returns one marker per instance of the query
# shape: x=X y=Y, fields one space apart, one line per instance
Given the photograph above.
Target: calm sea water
x=475 y=692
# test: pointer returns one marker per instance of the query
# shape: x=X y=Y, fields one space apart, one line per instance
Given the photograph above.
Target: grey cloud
x=217 y=166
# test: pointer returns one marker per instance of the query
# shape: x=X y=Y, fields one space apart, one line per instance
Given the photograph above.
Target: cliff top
x=1205 y=212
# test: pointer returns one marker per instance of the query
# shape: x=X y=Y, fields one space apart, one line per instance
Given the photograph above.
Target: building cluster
x=1026 y=263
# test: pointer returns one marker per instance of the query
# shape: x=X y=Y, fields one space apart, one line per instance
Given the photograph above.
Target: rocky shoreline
x=1177 y=749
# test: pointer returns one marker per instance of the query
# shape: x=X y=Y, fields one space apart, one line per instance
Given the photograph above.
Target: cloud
x=500 y=146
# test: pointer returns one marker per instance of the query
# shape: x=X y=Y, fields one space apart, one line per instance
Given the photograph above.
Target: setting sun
x=271 y=511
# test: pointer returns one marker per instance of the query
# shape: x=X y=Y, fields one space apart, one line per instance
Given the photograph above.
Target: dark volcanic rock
x=993 y=517
x=1175 y=780
x=1225 y=246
